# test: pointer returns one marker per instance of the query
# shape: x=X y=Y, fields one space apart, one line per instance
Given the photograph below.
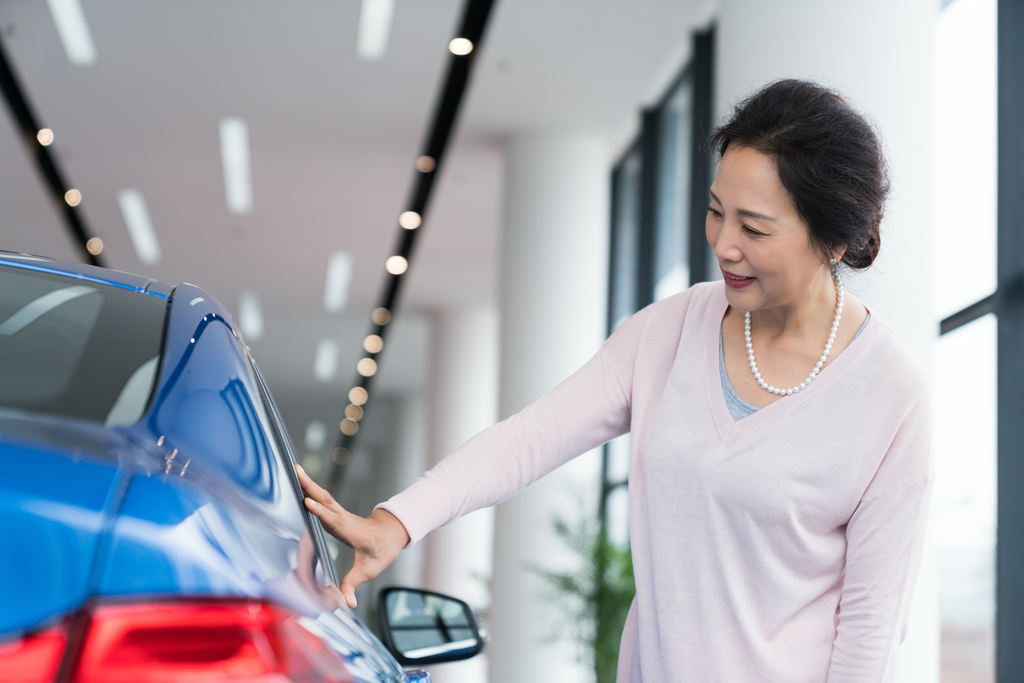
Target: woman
x=780 y=465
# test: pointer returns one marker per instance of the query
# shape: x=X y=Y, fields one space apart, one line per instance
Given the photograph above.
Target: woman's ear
x=837 y=252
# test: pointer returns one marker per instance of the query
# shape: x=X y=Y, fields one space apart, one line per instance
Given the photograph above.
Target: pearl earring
x=832 y=262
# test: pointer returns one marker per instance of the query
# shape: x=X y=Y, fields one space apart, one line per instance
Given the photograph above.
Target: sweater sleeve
x=885 y=538
x=587 y=409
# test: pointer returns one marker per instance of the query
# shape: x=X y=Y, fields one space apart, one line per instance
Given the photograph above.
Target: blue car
x=151 y=524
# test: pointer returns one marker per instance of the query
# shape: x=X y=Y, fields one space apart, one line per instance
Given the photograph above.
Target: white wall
x=880 y=54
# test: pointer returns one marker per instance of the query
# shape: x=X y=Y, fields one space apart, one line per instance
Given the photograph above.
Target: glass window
x=964 y=505
x=672 y=213
x=964 y=515
x=965 y=155
x=77 y=349
x=625 y=247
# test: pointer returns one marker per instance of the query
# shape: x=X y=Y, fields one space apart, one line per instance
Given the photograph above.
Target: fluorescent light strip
x=234 y=153
x=325 y=364
x=316 y=436
x=250 y=317
x=140 y=227
x=73 y=29
x=375 y=19
x=339 y=277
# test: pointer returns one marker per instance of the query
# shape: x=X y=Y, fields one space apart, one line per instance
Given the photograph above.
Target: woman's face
x=762 y=245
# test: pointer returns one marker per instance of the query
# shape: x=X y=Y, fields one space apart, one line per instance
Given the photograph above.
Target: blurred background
x=264 y=150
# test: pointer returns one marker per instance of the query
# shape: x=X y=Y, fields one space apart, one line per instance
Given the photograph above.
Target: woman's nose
x=726 y=247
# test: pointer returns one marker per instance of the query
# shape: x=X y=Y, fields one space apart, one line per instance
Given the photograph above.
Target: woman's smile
x=736 y=281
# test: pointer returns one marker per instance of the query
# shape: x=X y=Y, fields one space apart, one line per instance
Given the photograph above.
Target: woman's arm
x=885 y=539
x=587 y=409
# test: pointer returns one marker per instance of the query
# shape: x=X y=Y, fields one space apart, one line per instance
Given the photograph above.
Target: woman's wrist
x=391 y=527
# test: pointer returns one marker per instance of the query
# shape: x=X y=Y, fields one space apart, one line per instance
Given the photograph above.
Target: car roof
x=81 y=271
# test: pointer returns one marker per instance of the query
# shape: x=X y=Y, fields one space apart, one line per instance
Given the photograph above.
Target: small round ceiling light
x=425 y=164
x=94 y=246
x=45 y=137
x=349 y=427
x=353 y=412
x=381 y=316
x=373 y=344
x=396 y=265
x=340 y=455
x=358 y=395
x=410 y=220
x=367 y=367
x=460 y=46
x=73 y=197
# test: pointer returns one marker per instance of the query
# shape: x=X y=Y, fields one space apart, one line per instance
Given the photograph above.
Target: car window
x=313 y=525
x=77 y=349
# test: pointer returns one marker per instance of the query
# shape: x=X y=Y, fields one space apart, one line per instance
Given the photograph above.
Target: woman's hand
x=377 y=539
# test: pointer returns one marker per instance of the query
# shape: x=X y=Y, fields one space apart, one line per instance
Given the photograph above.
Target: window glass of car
x=77 y=348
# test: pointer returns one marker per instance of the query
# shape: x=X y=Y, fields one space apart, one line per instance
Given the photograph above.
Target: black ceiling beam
x=21 y=112
x=474 y=21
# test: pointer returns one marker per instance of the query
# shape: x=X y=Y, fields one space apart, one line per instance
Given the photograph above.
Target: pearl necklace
x=821 y=361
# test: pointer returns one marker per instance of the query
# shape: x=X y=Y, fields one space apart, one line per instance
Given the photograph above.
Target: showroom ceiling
x=333 y=139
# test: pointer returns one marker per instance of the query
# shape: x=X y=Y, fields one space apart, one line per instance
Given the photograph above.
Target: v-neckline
x=728 y=428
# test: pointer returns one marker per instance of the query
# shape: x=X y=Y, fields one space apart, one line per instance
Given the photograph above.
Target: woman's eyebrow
x=754 y=214
x=744 y=212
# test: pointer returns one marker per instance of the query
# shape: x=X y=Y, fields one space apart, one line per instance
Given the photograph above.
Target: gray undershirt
x=739 y=408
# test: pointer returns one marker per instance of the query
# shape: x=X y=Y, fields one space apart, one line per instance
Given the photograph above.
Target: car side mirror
x=420 y=627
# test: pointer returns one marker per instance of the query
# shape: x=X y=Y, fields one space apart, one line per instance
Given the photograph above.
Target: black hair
x=828 y=157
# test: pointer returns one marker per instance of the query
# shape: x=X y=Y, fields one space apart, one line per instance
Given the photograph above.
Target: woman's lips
x=736 y=281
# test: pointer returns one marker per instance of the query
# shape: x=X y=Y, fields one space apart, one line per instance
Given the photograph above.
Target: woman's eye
x=714 y=213
x=750 y=231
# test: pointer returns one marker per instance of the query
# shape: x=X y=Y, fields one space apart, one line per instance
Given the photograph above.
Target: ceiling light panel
x=339 y=277
x=375 y=19
x=316 y=435
x=73 y=29
x=234 y=153
x=250 y=316
x=325 y=363
x=140 y=227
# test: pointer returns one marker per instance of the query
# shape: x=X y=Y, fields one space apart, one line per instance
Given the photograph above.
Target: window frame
x=700 y=70
x=1009 y=308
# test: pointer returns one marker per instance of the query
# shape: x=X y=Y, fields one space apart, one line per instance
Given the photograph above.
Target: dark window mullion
x=1010 y=332
x=700 y=170
x=649 y=138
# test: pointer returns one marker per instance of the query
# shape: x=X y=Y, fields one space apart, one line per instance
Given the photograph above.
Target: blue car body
x=196 y=499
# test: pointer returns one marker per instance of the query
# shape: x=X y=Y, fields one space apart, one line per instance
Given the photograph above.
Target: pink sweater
x=782 y=547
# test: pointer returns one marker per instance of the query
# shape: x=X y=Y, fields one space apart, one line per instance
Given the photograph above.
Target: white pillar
x=881 y=55
x=409 y=457
x=464 y=401
x=390 y=465
x=553 y=299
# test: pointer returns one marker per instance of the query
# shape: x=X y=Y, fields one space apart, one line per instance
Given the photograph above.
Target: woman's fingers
x=337 y=522
x=313 y=490
x=365 y=568
x=355 y=577
x=376 y=540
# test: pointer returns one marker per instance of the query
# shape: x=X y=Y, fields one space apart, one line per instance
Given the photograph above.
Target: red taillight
x=33 y=659
x=238 y=641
